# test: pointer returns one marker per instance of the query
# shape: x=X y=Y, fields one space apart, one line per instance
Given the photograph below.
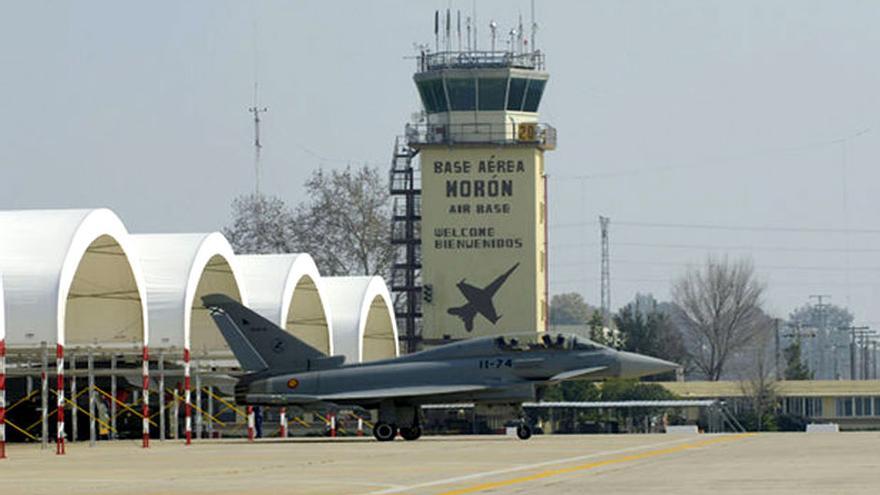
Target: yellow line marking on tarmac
x=597 y=464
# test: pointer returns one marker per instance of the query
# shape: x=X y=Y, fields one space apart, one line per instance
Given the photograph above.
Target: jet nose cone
x=637 y=365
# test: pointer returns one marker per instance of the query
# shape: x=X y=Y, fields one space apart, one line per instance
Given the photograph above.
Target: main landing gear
x=391 y=415
x=411 y=433
x=384 y=432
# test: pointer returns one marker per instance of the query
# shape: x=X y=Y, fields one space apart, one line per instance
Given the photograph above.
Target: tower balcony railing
x=541 y=135
x=472 y=59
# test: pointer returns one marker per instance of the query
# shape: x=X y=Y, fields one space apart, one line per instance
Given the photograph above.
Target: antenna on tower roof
x=474 y=12
x=448 y=27
x=534 y=27
x=436 y=30
x=458 y=27
x=520 y=40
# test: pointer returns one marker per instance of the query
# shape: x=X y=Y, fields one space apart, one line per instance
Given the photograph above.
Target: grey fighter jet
x=492 y=372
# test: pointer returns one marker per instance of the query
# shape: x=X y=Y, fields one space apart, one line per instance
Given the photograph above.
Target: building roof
x=177 y=269
x=784 y=388
x=280 y=285
x=2 y=312
x=71 y=278
x=364 y=325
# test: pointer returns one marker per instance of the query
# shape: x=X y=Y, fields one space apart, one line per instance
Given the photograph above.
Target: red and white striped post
x=2 y=398
x=186 y=396
x=59 y=364
x=251 y=423
x=332 y=424
x=283 y=419
x=145 y=409
x=360 y=431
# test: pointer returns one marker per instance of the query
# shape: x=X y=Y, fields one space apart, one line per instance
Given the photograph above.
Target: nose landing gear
x=523 y=431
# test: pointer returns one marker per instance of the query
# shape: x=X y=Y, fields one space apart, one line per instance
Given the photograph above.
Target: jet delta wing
x=501 y=372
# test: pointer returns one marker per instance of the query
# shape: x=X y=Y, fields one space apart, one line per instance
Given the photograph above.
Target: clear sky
x=760 y=115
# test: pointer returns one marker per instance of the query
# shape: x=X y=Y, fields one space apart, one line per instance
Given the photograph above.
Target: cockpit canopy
x=545 y=341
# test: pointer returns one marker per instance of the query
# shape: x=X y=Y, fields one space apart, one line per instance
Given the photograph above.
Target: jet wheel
x=384 y=432
x=523 y=432
x=411 y=433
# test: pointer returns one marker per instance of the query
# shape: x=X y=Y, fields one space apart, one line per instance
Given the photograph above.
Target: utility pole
x=778 y=368
x=605 y=279
x=854 y=331
x=874 y=355
x=822 y=342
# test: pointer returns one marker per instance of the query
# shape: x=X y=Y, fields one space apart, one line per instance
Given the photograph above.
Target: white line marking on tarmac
x=524 y=467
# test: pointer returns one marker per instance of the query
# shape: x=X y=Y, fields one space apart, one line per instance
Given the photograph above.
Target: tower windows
x=491 y=93
x=533 y=95
x=516 y=93
x=433 y=95
x=462 y=93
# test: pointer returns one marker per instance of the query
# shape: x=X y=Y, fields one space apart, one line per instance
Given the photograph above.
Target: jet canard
x=499 y=371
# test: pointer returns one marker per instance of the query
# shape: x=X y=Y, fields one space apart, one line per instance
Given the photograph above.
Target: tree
x=759 y=383
x=261 y=224
x=598 y=332
x=795 y=368
x=345 y=222
x=569 y=309
x=826 y=316
x=720 y=310
x=572 y=391
x=646 y=330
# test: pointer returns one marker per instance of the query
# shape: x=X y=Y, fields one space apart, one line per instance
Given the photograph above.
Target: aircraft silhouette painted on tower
x=479 y=301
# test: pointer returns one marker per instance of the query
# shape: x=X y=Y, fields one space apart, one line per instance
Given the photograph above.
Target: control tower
x=470 y=190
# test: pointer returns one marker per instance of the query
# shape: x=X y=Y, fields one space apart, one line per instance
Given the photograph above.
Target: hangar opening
x=205 y=339
x=103 y=306
x=306 y=318
x=380 y=340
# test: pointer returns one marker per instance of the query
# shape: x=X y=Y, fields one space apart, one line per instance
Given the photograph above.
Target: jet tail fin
x=259 y=344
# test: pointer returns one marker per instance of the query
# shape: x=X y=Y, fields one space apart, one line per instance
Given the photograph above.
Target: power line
x=736 y=228
x=760 y=267
x=712 y=163
x=743 y=247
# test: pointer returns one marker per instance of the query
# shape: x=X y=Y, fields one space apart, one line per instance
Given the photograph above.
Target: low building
x=852 y=404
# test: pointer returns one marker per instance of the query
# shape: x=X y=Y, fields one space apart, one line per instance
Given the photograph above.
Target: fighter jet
x=479 y=300
x=492 y=372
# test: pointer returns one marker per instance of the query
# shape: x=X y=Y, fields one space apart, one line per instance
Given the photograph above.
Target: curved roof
x=174 y=266
x=45 y=253
x=364 y=325
x=2 y=311
x=286 y=290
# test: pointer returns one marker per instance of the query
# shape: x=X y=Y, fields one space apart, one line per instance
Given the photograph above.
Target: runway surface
x=783 y=463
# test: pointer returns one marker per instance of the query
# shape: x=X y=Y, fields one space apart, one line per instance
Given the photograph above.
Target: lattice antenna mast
x=258 y=145
x=257 y=110
x=606 y=272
